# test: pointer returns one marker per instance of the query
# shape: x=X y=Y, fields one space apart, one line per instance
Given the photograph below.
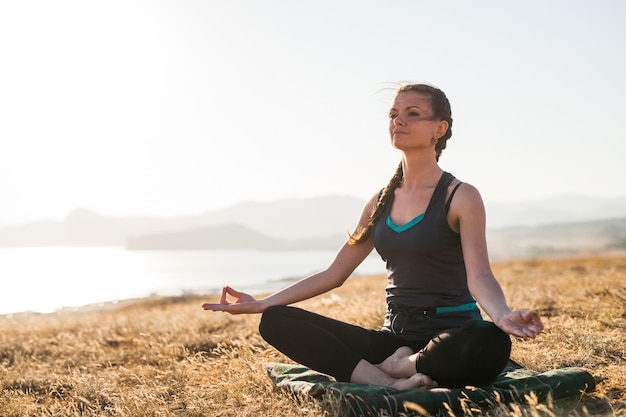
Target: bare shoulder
x=370 y=204
x=374 y=198
x=464 y=191
x=368 y=208
x=466 y=199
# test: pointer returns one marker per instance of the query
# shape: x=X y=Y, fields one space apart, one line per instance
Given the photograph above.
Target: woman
x=430 y=229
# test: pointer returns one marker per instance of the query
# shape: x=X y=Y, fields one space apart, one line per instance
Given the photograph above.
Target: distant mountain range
x=281 y=219
x=598 y=237
x=232 y=236
x=564 y=225
x=558 y=209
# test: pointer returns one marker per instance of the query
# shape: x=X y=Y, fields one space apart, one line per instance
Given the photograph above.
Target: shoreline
x=257 y=289
x=43 y=281
x=148 y=300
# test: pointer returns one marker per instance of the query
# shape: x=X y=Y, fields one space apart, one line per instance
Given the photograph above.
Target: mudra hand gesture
x=243 y=304
x=521 y=323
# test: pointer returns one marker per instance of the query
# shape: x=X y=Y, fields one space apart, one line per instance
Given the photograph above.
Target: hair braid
x=363 y=232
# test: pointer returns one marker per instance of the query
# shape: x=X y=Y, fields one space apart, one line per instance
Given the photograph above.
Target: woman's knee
x=271 y=322
x=492 y=347
x=490 y=334
x=473 y=354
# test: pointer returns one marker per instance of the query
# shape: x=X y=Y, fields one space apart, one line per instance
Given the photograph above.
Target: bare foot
x=367 y=373
x=414 y=382
x=399 y=364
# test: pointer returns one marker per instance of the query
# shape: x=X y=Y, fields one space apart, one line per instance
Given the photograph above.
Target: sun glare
x=52 y=277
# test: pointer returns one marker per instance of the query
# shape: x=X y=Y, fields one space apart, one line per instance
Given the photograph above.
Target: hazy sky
x=176 y=107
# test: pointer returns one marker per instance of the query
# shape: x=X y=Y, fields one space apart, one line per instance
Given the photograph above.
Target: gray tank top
x=424 y=258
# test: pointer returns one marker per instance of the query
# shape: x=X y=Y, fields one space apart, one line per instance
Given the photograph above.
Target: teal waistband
x=454 y=309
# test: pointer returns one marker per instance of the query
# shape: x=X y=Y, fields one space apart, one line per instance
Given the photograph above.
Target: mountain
x=562 y=239
x=82 y=227
x=558 y=239
x=291 y=219
x=560 y=209
x=320 y=222
x=231 y=236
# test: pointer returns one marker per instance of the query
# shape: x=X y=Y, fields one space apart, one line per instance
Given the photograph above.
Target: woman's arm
x=467 y=215
x=344 y=264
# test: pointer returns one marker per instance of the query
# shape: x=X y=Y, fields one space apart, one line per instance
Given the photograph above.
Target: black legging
x=471 y=355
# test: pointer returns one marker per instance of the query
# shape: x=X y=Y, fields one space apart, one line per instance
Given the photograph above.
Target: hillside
x=559 y=239
x=314 y=218
x=553 y=226
x=515 y=242
x=232 y=236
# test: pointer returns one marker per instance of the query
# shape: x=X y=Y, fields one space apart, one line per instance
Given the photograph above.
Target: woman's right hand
x=243 y=304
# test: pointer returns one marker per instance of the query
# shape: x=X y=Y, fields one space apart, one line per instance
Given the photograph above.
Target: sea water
x=52 y=278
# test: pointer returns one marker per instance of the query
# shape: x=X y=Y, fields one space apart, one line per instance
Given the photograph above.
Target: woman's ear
x=442 y=128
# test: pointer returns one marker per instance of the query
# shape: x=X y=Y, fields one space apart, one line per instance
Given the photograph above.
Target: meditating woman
x=429 y=228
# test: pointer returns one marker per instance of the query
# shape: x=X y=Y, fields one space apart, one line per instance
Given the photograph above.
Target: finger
x=233 y=292
x=535 y=322
x=213 y=307
x=223 y=299
x=536 y=327
x=519 y=328
x=525 y=334
x=529 y=316
x=530 y=331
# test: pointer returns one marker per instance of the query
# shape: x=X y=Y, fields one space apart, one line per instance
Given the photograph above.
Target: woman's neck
x=420 y=173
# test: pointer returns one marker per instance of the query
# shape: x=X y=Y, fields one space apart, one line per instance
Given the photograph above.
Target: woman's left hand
x=521 y=323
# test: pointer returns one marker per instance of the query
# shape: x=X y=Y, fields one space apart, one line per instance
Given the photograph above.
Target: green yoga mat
x=513 y=384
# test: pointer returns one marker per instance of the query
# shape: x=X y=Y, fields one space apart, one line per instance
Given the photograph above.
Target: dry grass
x=168 y=357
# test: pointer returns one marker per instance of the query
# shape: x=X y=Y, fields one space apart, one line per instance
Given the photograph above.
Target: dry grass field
x=168 y=357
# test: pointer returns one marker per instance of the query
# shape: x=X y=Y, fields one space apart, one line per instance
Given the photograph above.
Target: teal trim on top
x=404 y=227
x=454 y=309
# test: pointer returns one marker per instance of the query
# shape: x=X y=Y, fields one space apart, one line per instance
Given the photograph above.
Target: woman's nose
x=398 y=120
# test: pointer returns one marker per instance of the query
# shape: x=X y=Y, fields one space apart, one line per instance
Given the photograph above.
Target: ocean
x=47 y=279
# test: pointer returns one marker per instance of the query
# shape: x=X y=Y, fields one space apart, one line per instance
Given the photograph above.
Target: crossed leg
x=471 y=355
x=400 y=364
x=342 y=350
x=367 y=373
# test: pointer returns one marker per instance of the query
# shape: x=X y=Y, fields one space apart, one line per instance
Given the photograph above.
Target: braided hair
x=441 y=110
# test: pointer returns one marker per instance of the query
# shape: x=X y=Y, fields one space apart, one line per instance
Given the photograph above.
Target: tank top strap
x=439 y=194
x=456 y=187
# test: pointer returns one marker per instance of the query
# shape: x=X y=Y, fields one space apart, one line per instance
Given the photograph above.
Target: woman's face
x=411 y=122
